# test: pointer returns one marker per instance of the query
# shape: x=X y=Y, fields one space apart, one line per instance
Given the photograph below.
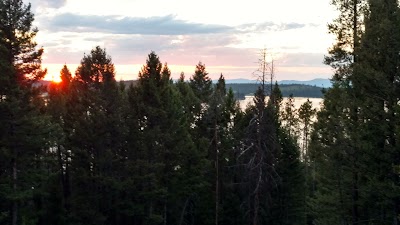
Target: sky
x=226 y=35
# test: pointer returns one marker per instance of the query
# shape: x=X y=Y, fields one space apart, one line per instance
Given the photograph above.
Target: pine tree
x=168 y=166
x=290 y=118
x=361 y=153
x=306 y=116
x=58 y=97
x=189 y=99
x=375 y=82
x=259 y=154
x=287 y=197
x=331 y=155
x=342 y=191
x=95 y=138
x=201 y=83
x=25 y=132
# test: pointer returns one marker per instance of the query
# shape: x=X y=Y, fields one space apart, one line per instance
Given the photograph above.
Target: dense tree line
x=91 y=150
x=355 y=143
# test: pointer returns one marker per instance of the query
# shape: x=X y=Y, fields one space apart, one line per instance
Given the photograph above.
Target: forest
x=93 y=151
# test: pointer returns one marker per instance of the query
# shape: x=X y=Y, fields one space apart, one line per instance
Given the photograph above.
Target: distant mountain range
x=243 y=87
x=319 y=82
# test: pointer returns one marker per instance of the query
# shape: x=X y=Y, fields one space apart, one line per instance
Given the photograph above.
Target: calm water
x=298 y=101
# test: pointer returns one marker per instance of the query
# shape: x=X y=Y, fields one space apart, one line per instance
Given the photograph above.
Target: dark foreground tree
x=168 y=170
x=95 y=134
x=355 y=142
x=24 y=131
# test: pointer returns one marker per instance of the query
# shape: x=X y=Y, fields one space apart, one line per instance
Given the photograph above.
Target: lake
x=298 y=101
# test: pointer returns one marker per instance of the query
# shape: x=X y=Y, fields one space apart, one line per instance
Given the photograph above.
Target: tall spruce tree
x=25 y=132
x=375 y=82
x=287 y=199
x=167 y=164
x=57 y=109
x=201 y=83
x=289 y=116
x=354 y=142
x=96 y=139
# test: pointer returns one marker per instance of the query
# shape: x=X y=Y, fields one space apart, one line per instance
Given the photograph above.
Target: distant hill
x=126 y=82
x=238 y=81
x=243 y=89
x=320 y=82
x=298 y=90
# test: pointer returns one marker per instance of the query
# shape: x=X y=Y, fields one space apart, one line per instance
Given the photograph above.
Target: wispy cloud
x=303 y=59
x=55 y=4
x=158 y=25
x=269 y=26
x=126 y=49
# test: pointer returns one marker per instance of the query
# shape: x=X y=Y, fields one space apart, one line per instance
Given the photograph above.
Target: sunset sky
x=226 y=35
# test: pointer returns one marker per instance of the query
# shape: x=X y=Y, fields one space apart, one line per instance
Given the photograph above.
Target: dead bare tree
x=258 y=152
x=265 y=70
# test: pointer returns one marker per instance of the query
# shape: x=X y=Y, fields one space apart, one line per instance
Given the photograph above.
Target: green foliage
x=92 y=151
x=273 y=171
x=201 y=83
x=26 y=133
x=354 y=144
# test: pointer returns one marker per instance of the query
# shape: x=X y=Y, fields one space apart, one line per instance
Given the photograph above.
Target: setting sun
x=52 y=78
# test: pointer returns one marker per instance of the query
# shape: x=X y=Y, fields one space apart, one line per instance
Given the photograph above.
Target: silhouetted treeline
x=96 y=151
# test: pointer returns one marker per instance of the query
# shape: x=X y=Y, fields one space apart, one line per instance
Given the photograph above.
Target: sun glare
x=54 y=79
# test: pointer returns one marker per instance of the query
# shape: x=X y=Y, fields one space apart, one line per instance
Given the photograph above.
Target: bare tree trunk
x=183 y=212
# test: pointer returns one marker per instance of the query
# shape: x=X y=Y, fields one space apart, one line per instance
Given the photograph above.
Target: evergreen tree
x=348 y=29
x=218 y=119
x=306 y=116
x=96 y=139
x=331 y=154
x=273 y=170
x=287 y=197
x=354 y=144
x=189 y=99
x=259 y=154
x=375 y=82
x=25 y=132
x=290 y=118
x=201 y=83
x=168 y=166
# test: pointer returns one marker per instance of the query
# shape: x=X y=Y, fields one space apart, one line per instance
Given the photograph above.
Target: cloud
x=180 y=49
x=269 y=26
x=302 y=59
x=290 y=26
x=55 y=4
x=212 y=49
x=158 y=25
